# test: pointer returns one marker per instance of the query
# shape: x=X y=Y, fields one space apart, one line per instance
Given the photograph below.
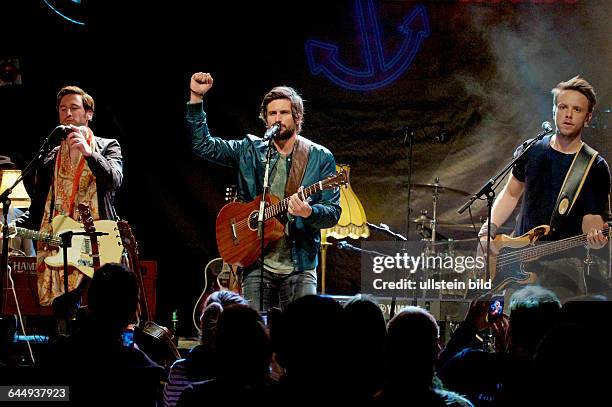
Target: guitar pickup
x=235 y=239
x=85 y=262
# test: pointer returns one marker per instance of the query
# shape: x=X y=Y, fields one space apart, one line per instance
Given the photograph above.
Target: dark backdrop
x=484 y=73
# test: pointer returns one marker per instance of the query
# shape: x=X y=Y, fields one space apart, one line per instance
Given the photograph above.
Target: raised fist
x=200 y=83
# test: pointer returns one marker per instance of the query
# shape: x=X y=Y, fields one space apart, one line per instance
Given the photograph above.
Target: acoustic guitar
x=236 y=226
x=218 y=275
x=155 y=340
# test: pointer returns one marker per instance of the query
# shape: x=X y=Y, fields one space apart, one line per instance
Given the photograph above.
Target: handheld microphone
x=62 y=131
x=272 y=132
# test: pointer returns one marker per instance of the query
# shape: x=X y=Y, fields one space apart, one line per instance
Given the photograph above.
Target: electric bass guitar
x=80 y=254
x=508 y=266
x=236 y=226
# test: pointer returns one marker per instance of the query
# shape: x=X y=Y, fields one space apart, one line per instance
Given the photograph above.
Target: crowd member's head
x=242 y=345
x=534 y=310
x=412 y=347
x=308 y=335
x=6 y=163
x=113 y=296
x=213 y=306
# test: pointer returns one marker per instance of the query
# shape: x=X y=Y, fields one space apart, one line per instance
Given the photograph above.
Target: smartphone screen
x=496 y=308
x=128 y=338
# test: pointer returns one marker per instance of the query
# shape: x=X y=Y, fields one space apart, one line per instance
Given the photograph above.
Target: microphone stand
x=66 y=243
x=261 y=222
x=344 y=245
x=6 y=203
x=488 y=189
x=386 y=229
x=398 y=237
x=409 y=136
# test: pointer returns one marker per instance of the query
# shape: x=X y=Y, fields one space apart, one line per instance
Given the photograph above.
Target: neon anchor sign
x=379 y=70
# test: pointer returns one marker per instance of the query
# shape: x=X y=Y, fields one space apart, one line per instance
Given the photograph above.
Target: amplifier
x=443 y=310
x=448 y=313
x=25 y=278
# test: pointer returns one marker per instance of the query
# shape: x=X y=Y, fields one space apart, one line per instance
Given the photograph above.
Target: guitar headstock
x=86 y=218
x=340 y=178
x=231 y=193
x=127 y=237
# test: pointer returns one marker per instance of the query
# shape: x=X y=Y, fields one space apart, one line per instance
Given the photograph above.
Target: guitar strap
x=572 y=185
x=299 y=160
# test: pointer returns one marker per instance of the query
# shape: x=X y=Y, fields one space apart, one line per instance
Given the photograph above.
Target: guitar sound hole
x=253 y=220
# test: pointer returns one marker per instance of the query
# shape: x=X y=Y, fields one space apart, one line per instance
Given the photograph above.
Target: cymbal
x=441 y=188
x=458 y=226
x=422 y=219
x=426 y=221
x=465 y=227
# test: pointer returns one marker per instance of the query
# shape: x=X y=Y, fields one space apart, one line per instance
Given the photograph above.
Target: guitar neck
x=40 y=236
x=131 y=245
x=538 y=251
x=282 y=206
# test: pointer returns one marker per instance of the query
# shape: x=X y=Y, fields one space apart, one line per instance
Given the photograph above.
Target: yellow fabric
x=352 y=222
x=51 y=279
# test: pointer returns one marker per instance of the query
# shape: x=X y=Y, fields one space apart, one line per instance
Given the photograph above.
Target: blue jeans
x=278 y=289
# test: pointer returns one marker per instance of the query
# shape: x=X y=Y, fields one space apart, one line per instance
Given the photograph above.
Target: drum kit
x=427 y=226
x=436 y=244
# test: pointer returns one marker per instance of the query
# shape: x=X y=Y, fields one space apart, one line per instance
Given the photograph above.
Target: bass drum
x=451 y=262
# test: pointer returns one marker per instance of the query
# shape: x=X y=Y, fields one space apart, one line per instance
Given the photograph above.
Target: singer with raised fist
x=289 y=269
x=565 y=184
x=81 y=168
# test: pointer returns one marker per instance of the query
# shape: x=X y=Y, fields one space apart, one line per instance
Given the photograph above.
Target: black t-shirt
x=543 y=171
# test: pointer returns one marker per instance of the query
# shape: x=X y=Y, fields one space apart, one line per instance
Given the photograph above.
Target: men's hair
x=412 y=340
x=534 y=310
x=6 y=163
x=402 y=329
x=578 y=84
x=213 y=307
x=284 y=92
x=88 y=102
x=240 y=327
x=113 y=295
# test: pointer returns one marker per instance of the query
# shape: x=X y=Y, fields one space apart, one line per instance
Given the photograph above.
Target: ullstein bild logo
x=391 y=269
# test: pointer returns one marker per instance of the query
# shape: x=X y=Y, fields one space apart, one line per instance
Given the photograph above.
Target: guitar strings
x=544 y=249
x=274 y=210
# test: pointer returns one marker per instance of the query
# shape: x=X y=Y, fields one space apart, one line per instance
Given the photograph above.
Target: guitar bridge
x=235 y=239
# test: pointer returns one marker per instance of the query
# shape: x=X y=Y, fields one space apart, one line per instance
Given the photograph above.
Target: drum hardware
x=437 y=246
x=423 y=219
x=441 y=188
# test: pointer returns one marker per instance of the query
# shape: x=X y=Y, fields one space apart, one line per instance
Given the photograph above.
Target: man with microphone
x=563 y=183
x=290 y=262
x=82 y=168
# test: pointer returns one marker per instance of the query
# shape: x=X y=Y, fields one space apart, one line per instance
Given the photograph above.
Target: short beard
x=284 y=135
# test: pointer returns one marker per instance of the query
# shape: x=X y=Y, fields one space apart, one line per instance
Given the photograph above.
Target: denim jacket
x=248 y=156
